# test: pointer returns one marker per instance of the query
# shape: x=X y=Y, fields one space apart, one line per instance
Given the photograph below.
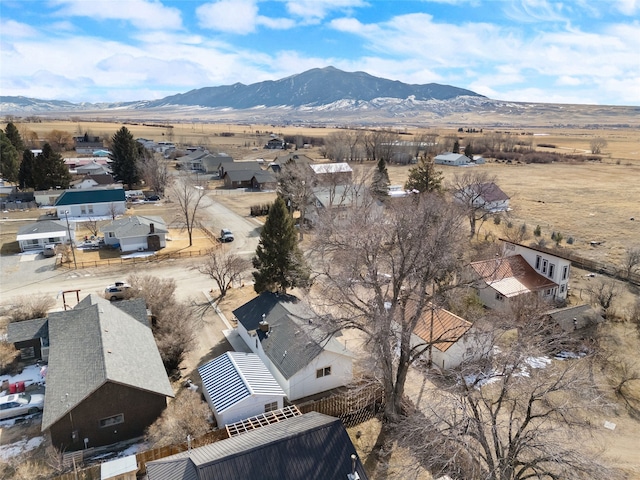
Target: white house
x=91 y=202
x=45 y=232
x=237 y=385
x=136 y=233
x=285 y=333
x=453 y=159
x=553 y=267
x=453 y=339
x=47 y=197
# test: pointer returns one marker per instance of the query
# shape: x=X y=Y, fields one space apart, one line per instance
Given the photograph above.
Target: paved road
x=33 y=274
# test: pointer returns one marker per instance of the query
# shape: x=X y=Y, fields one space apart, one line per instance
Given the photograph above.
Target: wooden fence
x=595 y=266
x=353 y=406
x=133 y=260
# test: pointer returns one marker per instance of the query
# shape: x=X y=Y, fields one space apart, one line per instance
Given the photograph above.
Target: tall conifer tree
x=278 y=259
x=124 y=157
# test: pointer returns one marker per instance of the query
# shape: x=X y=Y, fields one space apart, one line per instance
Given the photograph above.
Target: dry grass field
x=587 y=201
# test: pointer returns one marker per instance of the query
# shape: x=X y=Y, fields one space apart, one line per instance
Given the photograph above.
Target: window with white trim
x=90 y=208
x=499 y=296
x=544 y=266
x=83 y=210
x=538 y=260
x=323 y=372
x=552 y=270
x=562 y=286
x=565 y=272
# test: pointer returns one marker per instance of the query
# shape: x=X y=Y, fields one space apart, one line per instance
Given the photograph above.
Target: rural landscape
x=444 y=295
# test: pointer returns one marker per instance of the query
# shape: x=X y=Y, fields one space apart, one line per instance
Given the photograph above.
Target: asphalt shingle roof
x=28 y=330
x=135 y=226
x=96 y=342
x=44 y=226
x=296 y=335
x=306 y=447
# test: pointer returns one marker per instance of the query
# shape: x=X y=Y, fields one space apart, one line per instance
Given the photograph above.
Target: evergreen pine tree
x=456 y=147
x=27 y=170
x=468 y=151
x=50 y=171
x=380 y=181
x=278 y=259
x=424 y=177
x=14 y=137
x=9 y=159
x=124 y=157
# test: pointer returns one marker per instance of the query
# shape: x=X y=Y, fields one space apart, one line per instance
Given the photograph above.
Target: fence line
x=353 y=406
x=133 y=260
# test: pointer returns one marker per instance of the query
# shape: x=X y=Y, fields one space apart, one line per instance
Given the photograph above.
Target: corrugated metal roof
x=307 y=447
x=321 y=168
x=445 y=330
x=234 y=376
x=90 y=195
x=511 y=276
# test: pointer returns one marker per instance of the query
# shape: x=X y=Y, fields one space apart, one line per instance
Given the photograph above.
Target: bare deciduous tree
x=631 y=259
x=91 y=224
x=60 y=140
x=377 y=269
x=8 y=354
x=174 y=322
x=597 y=144
x=603 y=293
x=511 y=422
x=188 y=193
x=30 y=307
x=224 y=268
x=155 y=172
x=471 y=189
x=295 y=186
x=186 y=415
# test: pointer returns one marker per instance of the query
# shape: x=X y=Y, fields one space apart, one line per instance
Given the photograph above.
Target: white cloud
x=534 y=11
x=313 y=11
x=144 y=14
x=11 y=28
x=235 y=16
x=568 y=80
x=627 y=7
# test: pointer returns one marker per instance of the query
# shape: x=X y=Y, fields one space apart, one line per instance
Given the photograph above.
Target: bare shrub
x=30 y=307
x=8 y=354
x=185 y=415
x=224 y=268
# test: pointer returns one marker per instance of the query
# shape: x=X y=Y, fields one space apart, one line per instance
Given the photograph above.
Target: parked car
x=153 y=198
x=117 y=291
x=49 y=251
x=226 y=235
x=20 y=404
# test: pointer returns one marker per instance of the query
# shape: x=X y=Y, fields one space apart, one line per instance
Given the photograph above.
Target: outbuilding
x=237 y=386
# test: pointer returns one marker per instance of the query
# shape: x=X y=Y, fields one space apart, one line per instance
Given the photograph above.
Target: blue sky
x=575 y=51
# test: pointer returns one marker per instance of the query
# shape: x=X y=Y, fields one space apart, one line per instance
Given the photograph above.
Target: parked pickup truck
x=226 y=235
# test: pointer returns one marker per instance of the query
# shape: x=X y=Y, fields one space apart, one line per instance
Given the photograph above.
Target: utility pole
x=66 y=216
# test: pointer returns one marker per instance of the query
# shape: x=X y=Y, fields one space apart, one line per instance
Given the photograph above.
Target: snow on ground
x=29 y=375
x=9 y=451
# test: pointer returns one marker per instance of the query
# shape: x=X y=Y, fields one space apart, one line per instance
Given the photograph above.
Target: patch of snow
x=538 y=362
x=29 y=375
x=22 y=446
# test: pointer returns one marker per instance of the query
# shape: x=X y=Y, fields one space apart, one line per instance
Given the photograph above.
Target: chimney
x=152 y=228
x=264 y=325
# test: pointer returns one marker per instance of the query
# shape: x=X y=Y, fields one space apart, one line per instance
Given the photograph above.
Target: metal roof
x=511 y=276
x=340 y=167
x=445 y=329
x=96 y=342
x=90 y=195
x=307 y=447
x=234 y=376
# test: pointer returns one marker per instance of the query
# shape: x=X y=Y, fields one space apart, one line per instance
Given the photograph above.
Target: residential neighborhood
x=164 y=350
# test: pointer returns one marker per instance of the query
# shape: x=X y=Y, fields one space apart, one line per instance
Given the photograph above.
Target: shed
x=237 y=385
x=453 y=159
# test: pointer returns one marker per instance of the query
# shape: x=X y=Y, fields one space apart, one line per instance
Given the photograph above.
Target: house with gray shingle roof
x=136 y=233
x=91 y=202
x=105 y=382
x=44 y=232
x=289 y=338
x=304 y=447
x=237 y=385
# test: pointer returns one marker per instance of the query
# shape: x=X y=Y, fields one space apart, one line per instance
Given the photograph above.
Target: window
x=90 y=208
x=544 y=266
x=270 y=407
x=565 y=272
x=83 y=210
x=499 y=296
x=109 y=421
x=552 y=270
x=548 y=292
x=538 y=259
x=323 y=372
x=562 y=288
